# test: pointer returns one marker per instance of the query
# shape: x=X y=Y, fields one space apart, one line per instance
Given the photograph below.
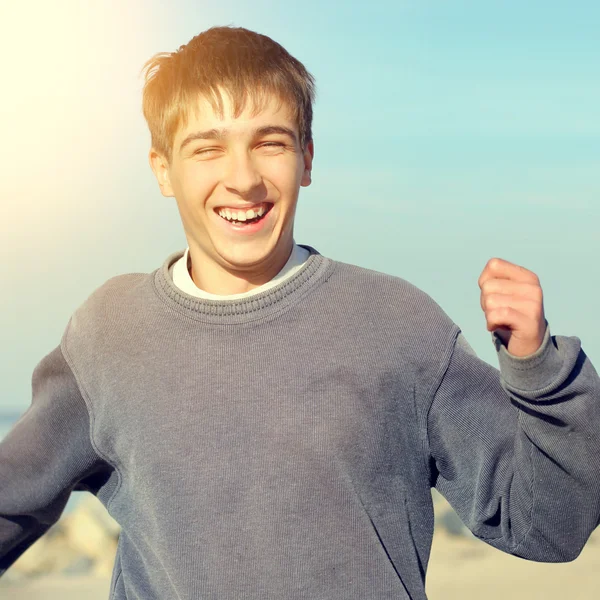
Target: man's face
x=236 y=182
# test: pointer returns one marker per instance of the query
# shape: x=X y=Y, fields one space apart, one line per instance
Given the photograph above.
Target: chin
x=246 y=257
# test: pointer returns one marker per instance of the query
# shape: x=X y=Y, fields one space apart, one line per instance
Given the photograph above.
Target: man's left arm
x=517 y=452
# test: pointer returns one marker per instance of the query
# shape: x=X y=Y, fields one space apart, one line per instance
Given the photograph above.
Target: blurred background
x=446 y=132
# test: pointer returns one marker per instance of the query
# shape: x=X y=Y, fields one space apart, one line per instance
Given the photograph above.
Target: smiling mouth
x=242 y=217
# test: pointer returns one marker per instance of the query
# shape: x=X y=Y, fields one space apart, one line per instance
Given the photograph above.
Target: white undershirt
x=183 y=280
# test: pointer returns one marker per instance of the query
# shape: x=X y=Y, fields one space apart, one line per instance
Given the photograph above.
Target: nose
x=242 y=176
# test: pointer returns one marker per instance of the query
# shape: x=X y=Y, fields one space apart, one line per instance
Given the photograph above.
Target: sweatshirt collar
x=183 y=280
x=258 y=306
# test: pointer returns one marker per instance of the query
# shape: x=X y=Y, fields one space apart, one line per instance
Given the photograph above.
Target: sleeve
x=44 y=457
x=516 y=452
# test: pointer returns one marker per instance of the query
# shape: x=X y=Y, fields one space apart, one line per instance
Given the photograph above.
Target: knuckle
x=492 y=302
x=494 y=263
x=487 y=286
x=492 y=316
x=532 y=293
x=504 y=312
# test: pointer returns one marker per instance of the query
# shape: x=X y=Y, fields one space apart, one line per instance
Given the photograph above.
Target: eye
x=272 y=145
x=205 y=151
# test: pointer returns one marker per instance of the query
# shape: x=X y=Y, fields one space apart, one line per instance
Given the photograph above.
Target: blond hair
x=246 y=64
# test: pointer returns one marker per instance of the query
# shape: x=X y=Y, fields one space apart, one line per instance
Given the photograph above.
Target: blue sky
x=445 y=133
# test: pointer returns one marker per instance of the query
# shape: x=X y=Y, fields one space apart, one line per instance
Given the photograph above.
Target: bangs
x=251 y=68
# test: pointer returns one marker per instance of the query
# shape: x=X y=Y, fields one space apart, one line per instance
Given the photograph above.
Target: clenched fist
x=512 y=300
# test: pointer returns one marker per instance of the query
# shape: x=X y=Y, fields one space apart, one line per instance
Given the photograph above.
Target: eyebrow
x=221 y=134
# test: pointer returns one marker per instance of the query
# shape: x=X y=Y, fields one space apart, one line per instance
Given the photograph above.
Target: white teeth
x=241 y=215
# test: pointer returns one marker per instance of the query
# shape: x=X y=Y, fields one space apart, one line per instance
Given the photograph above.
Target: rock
x=82 y=565
x=87 y=534
x=451 y=523
x=83 y=541
x=446 y=519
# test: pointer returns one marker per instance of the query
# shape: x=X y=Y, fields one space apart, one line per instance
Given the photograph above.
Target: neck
x=224 y=280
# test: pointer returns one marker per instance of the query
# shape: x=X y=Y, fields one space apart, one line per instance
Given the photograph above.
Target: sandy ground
x=468 y=569
x=460 y=568
x=57 y=587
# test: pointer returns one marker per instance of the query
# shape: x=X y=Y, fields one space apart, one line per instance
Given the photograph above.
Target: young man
x=264 y=422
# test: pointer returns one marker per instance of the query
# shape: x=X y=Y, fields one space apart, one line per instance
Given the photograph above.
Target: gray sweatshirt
x=283 y=446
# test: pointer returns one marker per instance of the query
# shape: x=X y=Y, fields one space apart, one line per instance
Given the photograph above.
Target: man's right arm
x=47 y=454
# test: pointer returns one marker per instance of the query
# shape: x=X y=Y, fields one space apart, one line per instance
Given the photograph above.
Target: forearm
x=558 y=439
x=46 y=455
x=515 y=455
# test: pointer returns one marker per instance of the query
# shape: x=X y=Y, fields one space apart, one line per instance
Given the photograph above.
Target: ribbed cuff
x=533 y=372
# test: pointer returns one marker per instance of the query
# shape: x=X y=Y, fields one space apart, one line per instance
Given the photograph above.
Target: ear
x=161 y=169
x=309 y=154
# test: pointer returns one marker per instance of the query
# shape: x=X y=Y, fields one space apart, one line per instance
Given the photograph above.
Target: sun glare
x=71 y=86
